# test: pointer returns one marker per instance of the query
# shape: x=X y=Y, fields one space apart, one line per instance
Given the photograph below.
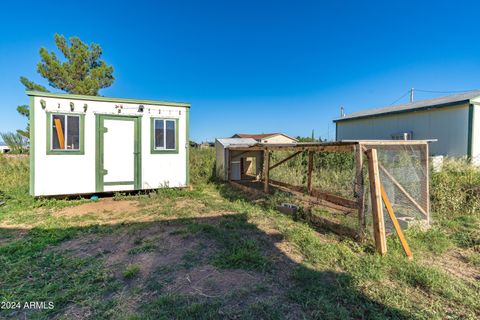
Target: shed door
x=235 y=170
x=119 y=159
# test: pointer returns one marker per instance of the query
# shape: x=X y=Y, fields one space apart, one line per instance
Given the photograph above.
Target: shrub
x=131 y=271
x=455 y=189
x=202 y=165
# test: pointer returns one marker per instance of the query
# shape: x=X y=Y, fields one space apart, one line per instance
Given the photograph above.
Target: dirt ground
x=172 y=260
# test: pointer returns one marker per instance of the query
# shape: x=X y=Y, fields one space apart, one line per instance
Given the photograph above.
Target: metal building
x=454 y=121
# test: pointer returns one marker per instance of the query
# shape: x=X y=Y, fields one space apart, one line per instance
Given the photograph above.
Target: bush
x=131 y=271
x=455 y=190
x=202 y=165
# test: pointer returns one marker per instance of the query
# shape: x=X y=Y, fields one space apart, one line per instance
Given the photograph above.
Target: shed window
x=65 y=132
x=165 y=137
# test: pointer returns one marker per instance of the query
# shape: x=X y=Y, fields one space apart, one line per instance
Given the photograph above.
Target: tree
x=23 y=109
x=82 y=72
x=15 y=141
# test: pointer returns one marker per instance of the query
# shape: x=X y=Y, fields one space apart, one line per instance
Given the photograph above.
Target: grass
x=211 y=253
x=131 y=271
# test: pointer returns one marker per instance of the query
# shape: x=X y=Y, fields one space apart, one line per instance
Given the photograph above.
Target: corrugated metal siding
x=449 y=126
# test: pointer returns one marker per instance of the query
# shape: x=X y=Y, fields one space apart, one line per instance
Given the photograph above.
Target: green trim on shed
x=152 y=137
x=471 y=115
x=31 y=150
x=81 y=150
x=99 y=144
x=107 y=99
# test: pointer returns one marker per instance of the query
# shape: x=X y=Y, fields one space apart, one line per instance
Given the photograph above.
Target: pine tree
x=82 y=72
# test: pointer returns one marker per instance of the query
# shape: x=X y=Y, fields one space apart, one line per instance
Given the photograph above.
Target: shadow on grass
x=321 y=224
x=192 y=268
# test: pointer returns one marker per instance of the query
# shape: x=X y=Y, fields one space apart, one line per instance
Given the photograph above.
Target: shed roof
x=439 y=102
x=237 y=142
x=106 y=99
x=260 y=136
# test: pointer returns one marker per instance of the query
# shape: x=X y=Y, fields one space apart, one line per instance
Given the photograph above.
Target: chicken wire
x=403 y=171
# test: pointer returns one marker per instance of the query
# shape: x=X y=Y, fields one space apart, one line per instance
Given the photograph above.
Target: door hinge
x=104 y=129
x=105 y=171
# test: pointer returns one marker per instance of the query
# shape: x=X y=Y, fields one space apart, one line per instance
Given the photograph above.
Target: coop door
x=118 y=169
x=235 y=173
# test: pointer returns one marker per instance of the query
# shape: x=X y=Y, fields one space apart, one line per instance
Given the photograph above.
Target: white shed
x=454 y=121
x=239 y=165
x=91 y=144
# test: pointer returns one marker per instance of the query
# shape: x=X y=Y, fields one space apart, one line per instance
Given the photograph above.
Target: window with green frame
x=65 y=133
x=164 y=135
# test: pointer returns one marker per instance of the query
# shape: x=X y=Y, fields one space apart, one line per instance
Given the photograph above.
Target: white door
x=119 y=156
x=235 y=171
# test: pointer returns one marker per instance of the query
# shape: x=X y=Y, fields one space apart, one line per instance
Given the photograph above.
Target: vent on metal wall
x=403 y=136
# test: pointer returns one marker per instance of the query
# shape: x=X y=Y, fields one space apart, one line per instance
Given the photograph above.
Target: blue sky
x=253 y=66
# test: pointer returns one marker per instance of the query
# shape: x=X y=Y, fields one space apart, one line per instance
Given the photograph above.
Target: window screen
x=65 y=132
x=165 y=134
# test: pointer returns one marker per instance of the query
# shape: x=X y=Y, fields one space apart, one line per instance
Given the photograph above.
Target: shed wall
x=448 y=125
x=278 y=139
x=75 y=174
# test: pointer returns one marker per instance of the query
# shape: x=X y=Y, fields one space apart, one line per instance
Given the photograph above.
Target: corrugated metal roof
x=240 y=142
x=414 y=106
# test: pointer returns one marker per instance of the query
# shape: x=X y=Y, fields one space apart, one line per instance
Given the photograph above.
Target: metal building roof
x=414 y=106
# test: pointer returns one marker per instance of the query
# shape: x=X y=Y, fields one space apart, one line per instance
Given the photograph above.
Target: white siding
x=220 y=161
x=75 y=174
x=279 y=138
x=448 y=125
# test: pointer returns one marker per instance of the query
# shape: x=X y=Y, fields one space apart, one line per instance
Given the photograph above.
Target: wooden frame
x=377 y=206
x=358 y=148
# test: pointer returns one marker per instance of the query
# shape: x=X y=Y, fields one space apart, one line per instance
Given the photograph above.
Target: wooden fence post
x=359 y=190
x=377 y=206
x=425 y=180
x=309 y=172
x=266 y=174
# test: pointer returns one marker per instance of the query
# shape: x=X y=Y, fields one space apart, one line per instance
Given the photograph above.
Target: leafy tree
x=15 y=141
x=82 y=71
x=23 y=109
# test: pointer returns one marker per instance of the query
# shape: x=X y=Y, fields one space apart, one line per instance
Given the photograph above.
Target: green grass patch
x=131 y=271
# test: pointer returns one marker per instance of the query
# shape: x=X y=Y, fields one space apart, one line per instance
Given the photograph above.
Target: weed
x=131 y=271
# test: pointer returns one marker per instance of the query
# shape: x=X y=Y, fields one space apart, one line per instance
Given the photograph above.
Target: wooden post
x=425 y=181
x=398 y=229
x=309 y=172
x=377 y=207
x=360 y=190
x=229 y=164
x=266 y=168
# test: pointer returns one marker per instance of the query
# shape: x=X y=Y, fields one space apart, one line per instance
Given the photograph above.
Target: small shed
x=4 y=149
x=234 y=165
x=90 y=144
x=267 y=137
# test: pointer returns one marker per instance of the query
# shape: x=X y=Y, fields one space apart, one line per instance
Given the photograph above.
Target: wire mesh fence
x=403 y=173
x=404 y=176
